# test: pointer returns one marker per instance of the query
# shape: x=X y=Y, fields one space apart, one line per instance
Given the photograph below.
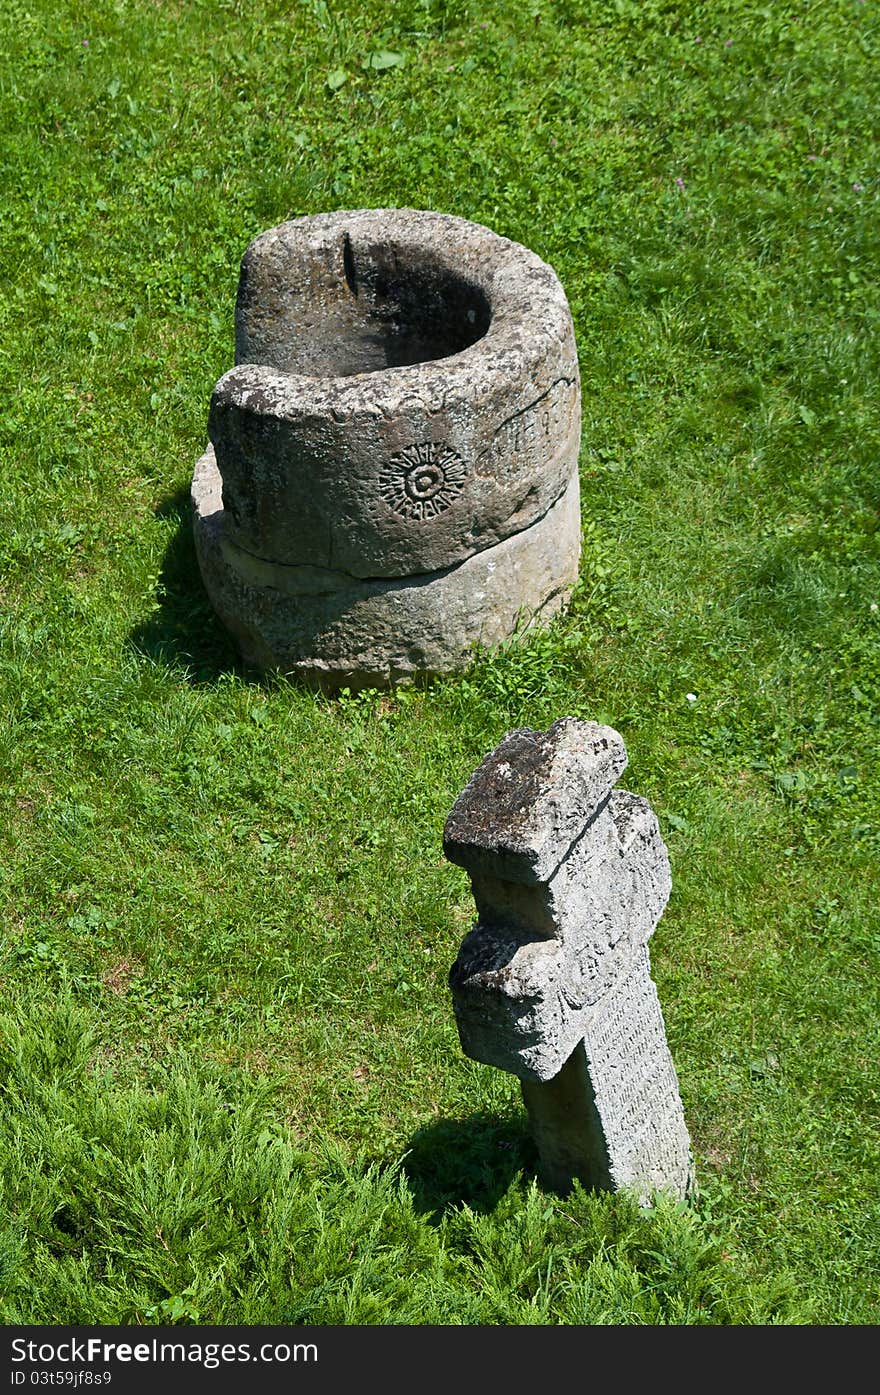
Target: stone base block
x=337 y=630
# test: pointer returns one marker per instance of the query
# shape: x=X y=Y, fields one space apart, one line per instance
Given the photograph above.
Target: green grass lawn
x=231 y=1085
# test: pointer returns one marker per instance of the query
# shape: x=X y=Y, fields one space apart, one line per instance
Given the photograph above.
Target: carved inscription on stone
x=635 y=1083
x=422 y=481
x=523 y=437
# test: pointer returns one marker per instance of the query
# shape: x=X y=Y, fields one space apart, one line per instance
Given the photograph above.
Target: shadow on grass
x=184 y=631
x=472 y=1160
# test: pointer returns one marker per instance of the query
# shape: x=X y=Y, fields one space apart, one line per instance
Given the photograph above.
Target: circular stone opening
x=357 y=305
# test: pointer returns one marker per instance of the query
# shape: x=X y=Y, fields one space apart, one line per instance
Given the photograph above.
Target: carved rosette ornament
x=423 y=480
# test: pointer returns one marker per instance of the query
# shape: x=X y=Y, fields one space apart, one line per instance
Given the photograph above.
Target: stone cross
x=570 y=877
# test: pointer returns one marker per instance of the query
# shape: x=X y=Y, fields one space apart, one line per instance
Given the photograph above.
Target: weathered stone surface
x=407 y=395
x=335 y=630
x=528 y=977
x=636 y=1088
x=405 y=401
x=530 y=796
x=570 y=877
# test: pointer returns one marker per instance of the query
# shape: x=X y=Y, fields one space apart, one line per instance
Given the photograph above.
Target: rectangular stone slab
x=635 y=1086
